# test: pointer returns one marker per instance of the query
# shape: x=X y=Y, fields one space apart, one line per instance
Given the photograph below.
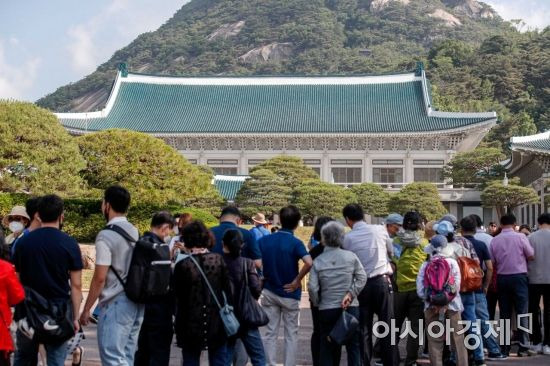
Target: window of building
x=255 y=161
x=429 y=162
x=346 y=162
x=387 y=162
x=225 y=170
x=222 y=162
x=312 y=161
x=314 y=164
x=346 y=175
x=387 y=175
x=433 y=175
x=192 y=161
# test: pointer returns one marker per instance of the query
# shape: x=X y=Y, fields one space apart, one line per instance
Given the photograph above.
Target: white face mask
x=16 y=226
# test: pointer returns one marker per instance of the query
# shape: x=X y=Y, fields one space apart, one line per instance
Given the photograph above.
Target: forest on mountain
x=475 y=60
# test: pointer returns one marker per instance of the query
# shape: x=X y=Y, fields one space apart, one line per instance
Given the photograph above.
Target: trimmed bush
x=83 y=217
x=37 y=155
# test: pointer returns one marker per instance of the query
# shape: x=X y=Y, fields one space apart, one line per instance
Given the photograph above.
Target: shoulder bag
x=250 y=312
x=230 y=322
x=344 y=329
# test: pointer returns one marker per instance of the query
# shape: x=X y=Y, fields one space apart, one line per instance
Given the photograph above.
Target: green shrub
x=83 y=217
x=37 y=155
x=8 y=200
x=83 y=228
x=140 y=215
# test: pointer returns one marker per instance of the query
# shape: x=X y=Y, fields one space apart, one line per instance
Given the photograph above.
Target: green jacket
x=412 y=257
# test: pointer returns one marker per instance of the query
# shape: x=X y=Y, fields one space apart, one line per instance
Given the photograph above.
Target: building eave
x=465 y=129
x=530 y=138
x=530 y=150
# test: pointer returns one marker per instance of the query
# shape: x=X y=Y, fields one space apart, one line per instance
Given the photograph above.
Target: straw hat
x=259 y=218
x=15 y=211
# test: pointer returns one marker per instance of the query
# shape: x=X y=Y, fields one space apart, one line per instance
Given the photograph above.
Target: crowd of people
x=215 y=288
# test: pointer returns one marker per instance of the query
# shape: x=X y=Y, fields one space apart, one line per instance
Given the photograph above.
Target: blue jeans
x=469 y=314
x=118 y=330
x=96 y=312
x=27 y=351
x=216 y=357
x=513 y=293
x=252 y=341
x=482 y=313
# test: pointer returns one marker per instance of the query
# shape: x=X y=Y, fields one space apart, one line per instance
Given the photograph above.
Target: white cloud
x=16 y=80
x=94 y=41
x=535 y=13
x=82 y=48
x=14 y=41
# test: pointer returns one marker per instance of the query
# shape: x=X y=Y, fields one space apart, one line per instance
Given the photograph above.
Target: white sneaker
x=546 y=350
x=536 y=348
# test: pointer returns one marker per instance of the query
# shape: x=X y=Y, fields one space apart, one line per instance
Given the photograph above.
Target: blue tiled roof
x=229 y=186
x=539 y=142
x=271 y=108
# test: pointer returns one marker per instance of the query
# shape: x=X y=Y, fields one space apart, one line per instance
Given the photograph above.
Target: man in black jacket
x=155 y=336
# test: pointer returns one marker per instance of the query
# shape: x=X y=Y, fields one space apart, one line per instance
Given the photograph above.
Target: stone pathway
x=91 y=356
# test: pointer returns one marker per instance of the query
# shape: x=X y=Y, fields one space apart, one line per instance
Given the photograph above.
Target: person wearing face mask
x=16 y=221
x=31 y=207
x=119 y=318
x=155 y=336
x=176 y=243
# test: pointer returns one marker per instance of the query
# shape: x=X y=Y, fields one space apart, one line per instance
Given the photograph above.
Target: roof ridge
x=530 y=138
x=294 y=75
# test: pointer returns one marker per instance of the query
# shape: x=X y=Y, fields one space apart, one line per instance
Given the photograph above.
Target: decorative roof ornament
x=419 y=68
x=123 y=68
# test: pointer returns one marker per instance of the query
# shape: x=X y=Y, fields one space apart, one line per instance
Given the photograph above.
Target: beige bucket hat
x=259 y=218
x=15 y=211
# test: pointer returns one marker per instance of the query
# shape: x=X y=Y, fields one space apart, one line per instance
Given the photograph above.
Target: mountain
x=475 y=60
x=288 y=37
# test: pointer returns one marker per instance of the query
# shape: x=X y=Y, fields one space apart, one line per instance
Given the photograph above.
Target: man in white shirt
x=368 y=242
x=481 y=234
x=120 y=318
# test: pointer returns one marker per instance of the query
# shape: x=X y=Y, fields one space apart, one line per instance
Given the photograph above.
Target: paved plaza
x=91 y=356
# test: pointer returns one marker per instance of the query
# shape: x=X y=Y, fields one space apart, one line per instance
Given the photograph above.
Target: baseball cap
x=450 y=218
x=444 y=228
x=439 y=241
x=394 y=218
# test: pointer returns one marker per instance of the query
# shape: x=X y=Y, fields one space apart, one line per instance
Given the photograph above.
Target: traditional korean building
x=349 y=129
x=530 y=162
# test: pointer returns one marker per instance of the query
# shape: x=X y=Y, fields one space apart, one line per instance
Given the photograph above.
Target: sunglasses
x=15 y=218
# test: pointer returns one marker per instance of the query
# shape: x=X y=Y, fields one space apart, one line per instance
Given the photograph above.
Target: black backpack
x=150 y=269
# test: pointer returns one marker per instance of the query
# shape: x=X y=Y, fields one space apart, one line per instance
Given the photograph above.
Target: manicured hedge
x=83 y=217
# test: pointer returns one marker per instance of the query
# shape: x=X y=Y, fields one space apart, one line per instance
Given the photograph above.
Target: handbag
x=250 y=312
x=344 y=329
x=230 y=322
x=45 y=321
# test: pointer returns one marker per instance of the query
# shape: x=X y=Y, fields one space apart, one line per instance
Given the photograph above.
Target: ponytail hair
x=233 y=241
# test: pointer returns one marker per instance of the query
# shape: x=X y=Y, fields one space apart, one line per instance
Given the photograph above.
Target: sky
x=47 y=44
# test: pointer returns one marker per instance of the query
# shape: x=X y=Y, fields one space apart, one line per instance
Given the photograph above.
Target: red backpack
x=439 y=283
